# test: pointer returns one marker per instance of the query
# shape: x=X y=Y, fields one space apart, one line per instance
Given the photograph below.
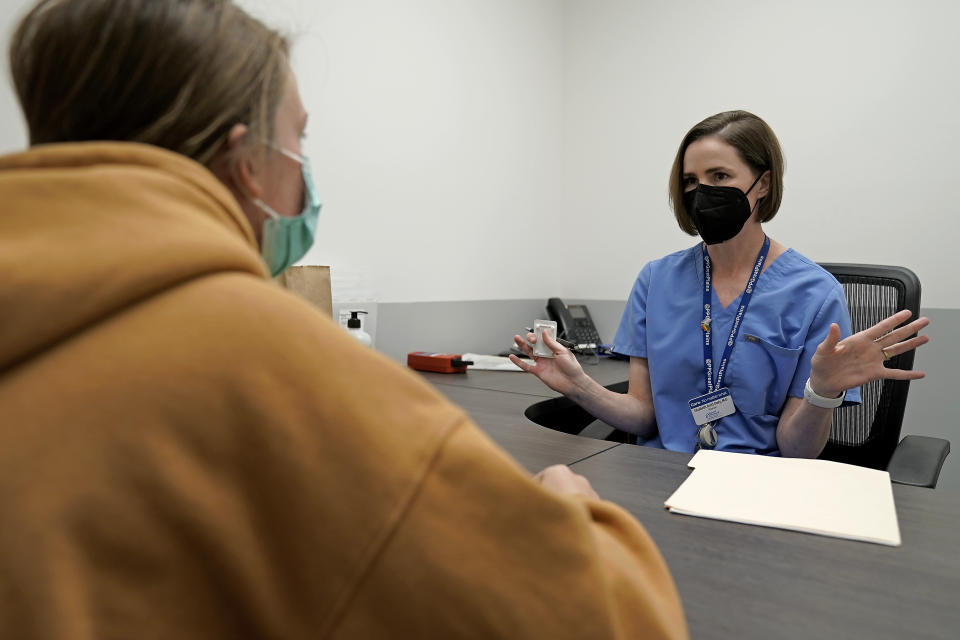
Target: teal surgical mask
x=286 y=239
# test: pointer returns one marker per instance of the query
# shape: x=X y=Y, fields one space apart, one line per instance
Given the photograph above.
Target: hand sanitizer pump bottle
x=353 y=328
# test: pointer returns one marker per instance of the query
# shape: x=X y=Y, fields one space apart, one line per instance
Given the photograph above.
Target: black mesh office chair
x=869 y=434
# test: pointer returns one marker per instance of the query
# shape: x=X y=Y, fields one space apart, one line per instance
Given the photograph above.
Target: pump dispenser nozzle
x=353 y=322
x=353 y=328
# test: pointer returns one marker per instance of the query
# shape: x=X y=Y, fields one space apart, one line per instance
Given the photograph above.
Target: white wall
x=13 y=133
x=482 y=149
x=863 y=96
x=436 y=137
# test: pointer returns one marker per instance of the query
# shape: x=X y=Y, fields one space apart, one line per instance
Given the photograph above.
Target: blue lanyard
x=738 y=320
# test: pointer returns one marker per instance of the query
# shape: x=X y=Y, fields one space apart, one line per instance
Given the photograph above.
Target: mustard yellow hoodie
x=187 y=451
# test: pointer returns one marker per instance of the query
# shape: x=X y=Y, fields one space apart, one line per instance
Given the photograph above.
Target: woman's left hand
x=839 y=365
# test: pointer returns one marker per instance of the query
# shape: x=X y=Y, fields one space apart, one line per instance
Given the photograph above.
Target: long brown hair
x=176 y=74
x=757 y=145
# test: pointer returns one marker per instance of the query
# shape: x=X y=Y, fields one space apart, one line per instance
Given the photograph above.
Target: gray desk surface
x=500 y=415
x=741 y=581
x=607 y=371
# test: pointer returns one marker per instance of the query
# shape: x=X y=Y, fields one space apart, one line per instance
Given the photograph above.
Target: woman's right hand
x=561 y=479
x=562 y=372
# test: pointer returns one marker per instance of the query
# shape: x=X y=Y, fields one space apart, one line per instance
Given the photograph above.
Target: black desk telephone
x=573 y=323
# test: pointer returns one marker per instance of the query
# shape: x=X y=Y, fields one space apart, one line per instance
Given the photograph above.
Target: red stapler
x=437 y=362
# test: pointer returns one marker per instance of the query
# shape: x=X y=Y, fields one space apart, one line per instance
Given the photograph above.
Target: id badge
x=710 y=407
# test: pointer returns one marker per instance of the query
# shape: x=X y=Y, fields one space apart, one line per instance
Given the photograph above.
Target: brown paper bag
x=310 y=282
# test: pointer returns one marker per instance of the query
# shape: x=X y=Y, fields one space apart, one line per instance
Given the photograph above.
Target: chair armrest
x=917 y=461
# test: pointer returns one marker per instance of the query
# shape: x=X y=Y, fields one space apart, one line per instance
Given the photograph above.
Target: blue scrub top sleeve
x=631 y=337
x=834 y=309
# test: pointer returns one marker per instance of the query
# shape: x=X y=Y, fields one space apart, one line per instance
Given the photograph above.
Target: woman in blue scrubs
x=737 y=343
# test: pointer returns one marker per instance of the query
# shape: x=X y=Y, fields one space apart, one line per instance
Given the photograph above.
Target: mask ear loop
x=266 y=208
x=257 y=201
x=757 y=203
x=296 y=157
x=232 y=162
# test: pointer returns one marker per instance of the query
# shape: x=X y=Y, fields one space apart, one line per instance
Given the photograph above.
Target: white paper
x=489 y=363
x=815 y=496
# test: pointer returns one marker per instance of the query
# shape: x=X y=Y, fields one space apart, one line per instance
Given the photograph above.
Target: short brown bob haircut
x=177 y=74
x=758 y=147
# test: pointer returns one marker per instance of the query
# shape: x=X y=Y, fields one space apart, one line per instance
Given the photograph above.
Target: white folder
x=814 y=496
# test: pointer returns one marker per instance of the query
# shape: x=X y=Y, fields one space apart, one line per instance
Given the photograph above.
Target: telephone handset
x=573 y=323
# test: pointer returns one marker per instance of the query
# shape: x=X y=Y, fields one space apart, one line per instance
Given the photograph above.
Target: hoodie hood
x=90 y=229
